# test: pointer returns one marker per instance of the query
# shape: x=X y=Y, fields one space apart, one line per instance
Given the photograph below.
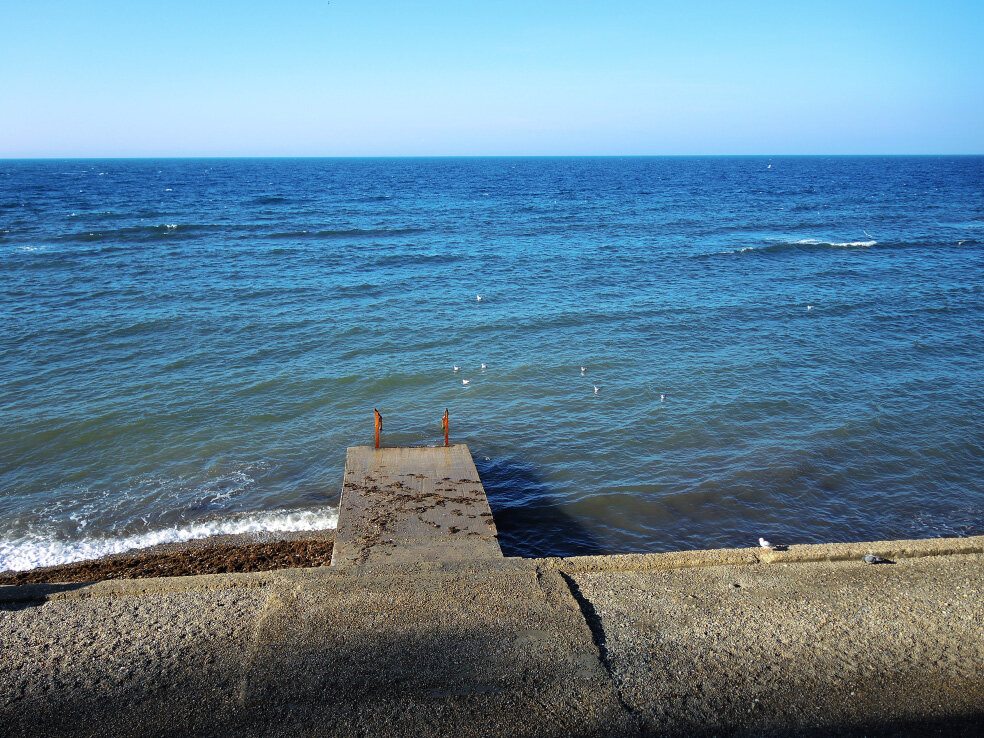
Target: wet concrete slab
x=412 y=504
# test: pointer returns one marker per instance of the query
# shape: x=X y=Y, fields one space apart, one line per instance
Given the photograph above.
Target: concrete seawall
x=809 y=641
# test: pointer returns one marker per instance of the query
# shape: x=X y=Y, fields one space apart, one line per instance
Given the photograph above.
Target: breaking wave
x=802 y=244
x=31 y=552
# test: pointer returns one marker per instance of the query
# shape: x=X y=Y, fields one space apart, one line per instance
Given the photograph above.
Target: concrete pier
x=402 y=505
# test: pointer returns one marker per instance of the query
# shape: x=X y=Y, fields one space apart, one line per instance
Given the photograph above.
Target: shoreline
x=233 y=553
x=265 y=551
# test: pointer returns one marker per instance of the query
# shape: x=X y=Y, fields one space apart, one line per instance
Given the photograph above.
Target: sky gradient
x=374 y=78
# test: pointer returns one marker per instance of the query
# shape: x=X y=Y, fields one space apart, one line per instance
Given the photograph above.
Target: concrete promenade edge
x=804 y=641
x=900 y=549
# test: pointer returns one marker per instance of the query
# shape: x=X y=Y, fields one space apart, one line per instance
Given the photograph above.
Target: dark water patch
x=530 y=522
x=142 y=327
x=141 y=234
x=413 y=259
x=342 y=233
x=363 y=289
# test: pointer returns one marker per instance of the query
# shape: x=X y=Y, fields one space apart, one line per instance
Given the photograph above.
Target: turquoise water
x=788 y=347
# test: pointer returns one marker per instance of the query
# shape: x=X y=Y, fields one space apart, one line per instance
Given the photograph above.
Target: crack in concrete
x=598 y=637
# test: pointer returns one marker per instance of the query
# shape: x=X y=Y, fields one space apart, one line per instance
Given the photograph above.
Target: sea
x=643 y=354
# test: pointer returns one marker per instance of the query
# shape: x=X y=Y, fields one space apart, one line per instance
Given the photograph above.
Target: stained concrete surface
x=817 y=643
x=412 y=504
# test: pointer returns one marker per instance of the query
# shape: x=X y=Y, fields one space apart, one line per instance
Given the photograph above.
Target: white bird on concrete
x=764 y=543
x=466 y=381
x=595 y=388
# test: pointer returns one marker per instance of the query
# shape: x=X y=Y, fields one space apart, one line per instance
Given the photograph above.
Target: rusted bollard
x=379 y=425
x=444 y=422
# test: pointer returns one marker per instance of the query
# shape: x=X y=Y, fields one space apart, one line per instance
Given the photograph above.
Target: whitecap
x=833 y=244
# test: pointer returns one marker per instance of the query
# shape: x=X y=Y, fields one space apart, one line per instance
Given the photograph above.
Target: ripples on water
x=189 y=346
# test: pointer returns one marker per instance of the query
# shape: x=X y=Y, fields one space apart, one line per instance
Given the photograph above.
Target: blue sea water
x=788 y=347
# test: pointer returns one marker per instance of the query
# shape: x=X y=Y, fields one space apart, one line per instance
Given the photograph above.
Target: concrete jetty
x=412 y=504
x=417 y=630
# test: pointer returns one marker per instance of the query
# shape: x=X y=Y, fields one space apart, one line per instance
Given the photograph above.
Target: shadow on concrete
x=352 y=656
x=21 y=597
x=529 y=517
x=358 y=682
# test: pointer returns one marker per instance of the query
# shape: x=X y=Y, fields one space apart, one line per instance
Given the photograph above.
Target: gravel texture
x=832 y=648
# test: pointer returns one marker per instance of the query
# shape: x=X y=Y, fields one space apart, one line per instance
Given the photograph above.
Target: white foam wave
x=33 y=552
x=778 y=245
x=835 y=244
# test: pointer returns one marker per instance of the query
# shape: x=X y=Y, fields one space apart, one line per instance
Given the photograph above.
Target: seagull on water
x=478 y=298
x=456 y=367
x=764 y=543
x=661 y=397
x=466 y=381
x=595 y=388
x=582 y=371
x=809 y=307
x=483 y=366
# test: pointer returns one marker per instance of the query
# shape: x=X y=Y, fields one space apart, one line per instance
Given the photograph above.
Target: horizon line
x=464 y=156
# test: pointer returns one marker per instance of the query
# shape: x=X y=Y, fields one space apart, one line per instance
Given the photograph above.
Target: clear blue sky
x=369 y=77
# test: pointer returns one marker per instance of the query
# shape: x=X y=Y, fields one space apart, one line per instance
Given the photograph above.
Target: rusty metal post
x=444 y=422
x=379 y=425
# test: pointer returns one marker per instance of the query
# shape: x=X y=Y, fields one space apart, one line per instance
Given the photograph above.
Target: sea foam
x=31 y=552
x=833 y=244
